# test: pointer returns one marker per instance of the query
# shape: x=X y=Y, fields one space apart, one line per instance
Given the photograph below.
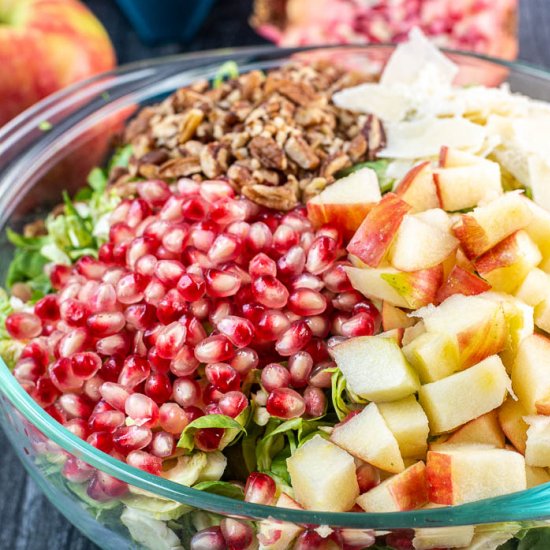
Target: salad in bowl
x=315 y=288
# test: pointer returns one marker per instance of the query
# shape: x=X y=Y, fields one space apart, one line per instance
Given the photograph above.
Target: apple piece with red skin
x=417 y=188
x=276 y=535
x=393 y=317
x=346 y=202
x=410 y=290
x=450 y=157
x=469 y=473
x=484 y=429
x=404 y=491
x=373 y=238
x=537 y=449
x=506 y=265
x=45 y=45
x=487 y=225
x=463 y=282
x=510 y=416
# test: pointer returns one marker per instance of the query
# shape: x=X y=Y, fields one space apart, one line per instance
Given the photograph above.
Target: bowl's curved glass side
x=82 y=123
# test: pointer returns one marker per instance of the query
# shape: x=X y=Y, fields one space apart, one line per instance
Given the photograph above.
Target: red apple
x=375 y=235
x=461 y=281
x=417 y=188
x=46 y=45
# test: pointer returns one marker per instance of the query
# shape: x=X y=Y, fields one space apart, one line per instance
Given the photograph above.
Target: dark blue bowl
x=166 y=20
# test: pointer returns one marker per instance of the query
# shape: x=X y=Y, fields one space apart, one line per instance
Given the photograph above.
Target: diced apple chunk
x=393 y=317
x=428 y=538
x=463 y=396
x=539 y=230
x=376 y=444
x=417 y=188
x=346 y=202
x=375 y=368
x=491 y=540
x=278 y=535
x=535 y=287
x=408 y=422
x=433 y=355
x=449 y=157
x=488 y=225
x=506 y=265
x=404 y=491
x=531 y=371
x=537 y=449
x=461 y=281
x=410 y=290
x=484 y=429
x=461 y=187
x=477 y=324
x=536 y=476
x=420 y=245
x=510 y=416
x=468 y=474
x=323 y=476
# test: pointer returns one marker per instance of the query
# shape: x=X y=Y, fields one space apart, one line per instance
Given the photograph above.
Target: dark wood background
x=27 y=520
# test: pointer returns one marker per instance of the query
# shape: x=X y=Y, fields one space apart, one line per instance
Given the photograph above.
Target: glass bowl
x=51 y=147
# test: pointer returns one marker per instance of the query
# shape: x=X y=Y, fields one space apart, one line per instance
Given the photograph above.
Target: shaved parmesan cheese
x=411 y=57
x=424 y=138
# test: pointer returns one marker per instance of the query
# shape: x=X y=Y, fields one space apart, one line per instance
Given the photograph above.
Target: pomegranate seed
x=252 y=311
x=208 y=439
x=156 y=230
x=306 y=280
x=37 y=350
x=139 y=248
x=184 y=363
x=120 y=213
x=356 y=539
x=214 y=190
x=145 y=461
x=270 y=292
x=138 y=211
x=73 y=341
x=158 y=387
x=131 y=438
x=142 y=410
x=107 y=421
x=56 y=413
x=73 y=312
x=360 y=324
x=59 y=276
x=336 y=279
x=172 y=418
x=154 y=292
x=238 y=229
x=186 y=392
x=106 y=323
x=155 y=192
x=262 y=264
x=135 y=370
x=238 y=535
x=319 y=325
x=78 y=427
x=220 y=284
x=116 y=344
x=214 y=349
x=367 y=477
x=259 y=237
x=77 y=471
x=311 y=540
x=119 y=254
x=103 y=298
x=109 y=485
x=300 y=366
x=76 y=406
x=316 y=402
x=275 y=376
x=338 y=322
x=188 y=187
x=28 y=369
x=321 y=255
x=85 y=364
x=47 y=308
x=233 y=403
x=129 y=289
x=175 y=239
x=62 y=375
x=171 y=209
x=297 y=221
x=370 y=309
x=259 y=489
x=169 y=272
x=221 y=309
x=321 y=377
x=306 y=302
x=211 y=395
x=195 y=257
x=23 y=326
x=225 y=248
x=195 y=208
x=171 y=307
x=163 y=444
x=145 y=265
x=293 y=339
x=139 y=316
x=284 y=238
x=45 y=392
x=292 y=262
x=285 y=403
x=110 y=370
x=222 y=376
x=346 y=301
x=170 y=339
x=202 y=235
x=120 y=233
x=245 y=360
x=191 y=287
x=210 y=538
x=114 y=394
x=105 y=253
x=227 y=210
x=400 y=539
x=239 y=331
x=271 y=325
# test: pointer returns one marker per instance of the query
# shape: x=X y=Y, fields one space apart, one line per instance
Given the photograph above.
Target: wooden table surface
x=27 y=520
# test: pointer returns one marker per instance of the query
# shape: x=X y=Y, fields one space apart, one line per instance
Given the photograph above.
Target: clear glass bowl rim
x=529 y=505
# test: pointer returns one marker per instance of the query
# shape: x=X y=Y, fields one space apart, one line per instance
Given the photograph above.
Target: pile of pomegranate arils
x=196 y=292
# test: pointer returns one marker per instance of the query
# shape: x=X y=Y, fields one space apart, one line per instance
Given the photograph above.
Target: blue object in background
x=166 y=20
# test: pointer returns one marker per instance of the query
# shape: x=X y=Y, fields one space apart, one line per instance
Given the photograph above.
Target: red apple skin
x=503 y=254
x=461 y=281
x=347 y=217
x=375 y=235
x=471 y=235
x=415 y=178
x=439 y=478
x=51 y=44
x=411 y=492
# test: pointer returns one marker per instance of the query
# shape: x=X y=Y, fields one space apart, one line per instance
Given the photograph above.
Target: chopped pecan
x=375 y=136
x=312 y=187
x=213 y=160
x=180 y=167
x=267 y=177
x=297 y=148
x=333 y=164
x=148 y=171
x=189 y=124
x=268 y=152
x=154 y=157
x=284 y=197
x=357 y=148
x=240 y=175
